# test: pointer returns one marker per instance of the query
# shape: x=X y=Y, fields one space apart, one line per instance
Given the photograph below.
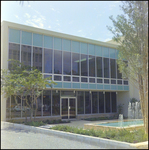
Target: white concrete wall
x=123 y=99
x=4 y=63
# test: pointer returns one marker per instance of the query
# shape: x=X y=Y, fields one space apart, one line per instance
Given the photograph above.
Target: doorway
x=68 y=107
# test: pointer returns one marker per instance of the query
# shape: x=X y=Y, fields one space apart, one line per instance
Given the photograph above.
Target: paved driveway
x=21 y=139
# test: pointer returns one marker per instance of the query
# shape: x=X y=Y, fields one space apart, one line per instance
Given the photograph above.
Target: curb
x=101 y=142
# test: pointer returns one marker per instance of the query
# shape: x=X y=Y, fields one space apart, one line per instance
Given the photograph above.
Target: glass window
x=83 y=79
x=48 y=42
x=37 y=40
x=99 y=66
x=48 y=55
x=75 y=79
x=66 y=78
x=14 y=35
x=37 y=58
x=57 y=78
x=66 y=45
x=84 y=48
x=113 y=81
x=75 y=47
x=91 y=49
x=113 y=102
x=113 y=68
x=26 y=55
x=98 y=50
x=68 y=93
x=106 y=67
x=112 y=53
x=47 y=76
x=39 y=107
x=125 y=82
x=55 y=103
x=14 y=53
x=105 y=52
x=92 y=80
x=26 y=102
x=67 y=63
x=119 y=81
x=91 y=66
x=106 y=81
x=99 y=80
x=26 y=38
x=84 y=65
x=119 y=75
x=75 y=64
x=101 y=102
x=87 y=103
x=94 y=102
x=57 y=62
x=80 y=102
x=107 y=101
x=47 y=103
x=57 y=43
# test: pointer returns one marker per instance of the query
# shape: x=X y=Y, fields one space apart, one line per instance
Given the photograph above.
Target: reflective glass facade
x=88 y=71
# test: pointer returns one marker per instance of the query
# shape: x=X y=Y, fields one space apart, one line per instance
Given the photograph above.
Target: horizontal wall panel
x=112 y=53
x=37 y=40
x=120 y=87
x=48 y=42
x=107 y=87
x=75 y=47
x=91 y=49
x=66 y=85
x=126 y=88
x=92 y=86
x=84 y=48
x=14 y=36
x=105 y=51
x=57 y=43
x=59 y=85
x=66 y=45
x=113 y=87
x=26 y=38
x=75 y=85
x=84 y=86
x=98 y=50
x=99 y=86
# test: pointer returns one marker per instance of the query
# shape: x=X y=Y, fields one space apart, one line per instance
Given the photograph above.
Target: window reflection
x=48 y=55
x=75 y=64
x=106 y=67
x=80 y=102
x=99 y=66
x=57 y=62
x=84 y=65
x=92 y=66
x=67 y=63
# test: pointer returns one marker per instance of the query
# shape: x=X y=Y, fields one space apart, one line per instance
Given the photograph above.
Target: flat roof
x=56 y=34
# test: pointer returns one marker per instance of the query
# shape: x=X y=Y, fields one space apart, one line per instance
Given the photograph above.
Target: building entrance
x=68 y=107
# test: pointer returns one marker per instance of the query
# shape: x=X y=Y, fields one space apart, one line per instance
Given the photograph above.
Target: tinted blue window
x=48 y=55
x=48 y=42
x=26 y=38
x=75 y=47
x=84 y=48
x=37 y=40
x=57 y=43
x=66 y=45
x=14 y=35
x=105 y=52
x=112 y=53
x=98 y=50
x=91 y=48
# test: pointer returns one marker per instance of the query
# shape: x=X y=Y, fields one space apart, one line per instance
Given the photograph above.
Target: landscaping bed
x=133 y=136
x=41 y=123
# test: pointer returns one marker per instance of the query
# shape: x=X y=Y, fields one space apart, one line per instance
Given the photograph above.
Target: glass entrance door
x=68 y=108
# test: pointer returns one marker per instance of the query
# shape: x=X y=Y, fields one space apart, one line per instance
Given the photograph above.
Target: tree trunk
x=144 y=103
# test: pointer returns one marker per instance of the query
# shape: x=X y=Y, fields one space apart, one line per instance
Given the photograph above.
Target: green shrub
x=119 y=135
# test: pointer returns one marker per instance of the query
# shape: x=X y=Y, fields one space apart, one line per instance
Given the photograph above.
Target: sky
x=88 y=19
